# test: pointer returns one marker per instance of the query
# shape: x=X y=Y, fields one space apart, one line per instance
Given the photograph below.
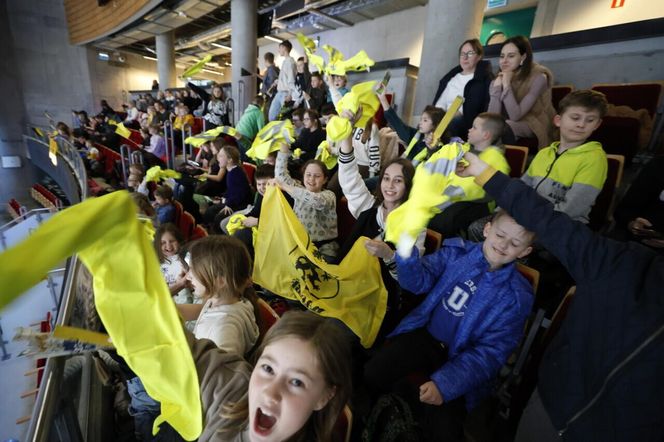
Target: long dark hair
x=408 y=171
x=523 y=45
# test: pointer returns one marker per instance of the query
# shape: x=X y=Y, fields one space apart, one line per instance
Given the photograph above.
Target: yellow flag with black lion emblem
x=288 y=264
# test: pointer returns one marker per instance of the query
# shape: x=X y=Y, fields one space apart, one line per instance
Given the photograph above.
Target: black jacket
x=602 y=377
x=475 y=94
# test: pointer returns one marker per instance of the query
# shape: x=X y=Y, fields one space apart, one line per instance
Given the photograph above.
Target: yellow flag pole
x=451 y=112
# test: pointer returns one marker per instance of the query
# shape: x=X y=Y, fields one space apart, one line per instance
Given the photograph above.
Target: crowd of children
x=474 y=302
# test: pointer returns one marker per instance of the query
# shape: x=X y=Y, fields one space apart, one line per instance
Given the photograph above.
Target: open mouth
x=263 y=423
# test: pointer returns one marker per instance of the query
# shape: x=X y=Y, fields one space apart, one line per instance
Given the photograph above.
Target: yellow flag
x=156 y=174
x=268 y=138
x=430 y=190
x=338 y=128
x=333 y=54
x=323 y=154
x=447 y=118
x=53 y=151
x=195 y=69
x=131 y=297
x=306 y=42
x=209 y=135
x=358 y=62
x=120 y=129
x=287 y=263
x=361 y=95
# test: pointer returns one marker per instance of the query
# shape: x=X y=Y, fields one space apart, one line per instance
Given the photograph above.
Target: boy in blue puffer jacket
x=465 y=329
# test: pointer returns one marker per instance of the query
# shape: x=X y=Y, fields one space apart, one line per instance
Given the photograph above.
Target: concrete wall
x=397 y=35
x=560 y=16
x=54 y=75
x=112 y=81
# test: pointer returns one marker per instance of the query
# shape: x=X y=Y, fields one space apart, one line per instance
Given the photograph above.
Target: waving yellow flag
x=288 y=264
x=131 y=296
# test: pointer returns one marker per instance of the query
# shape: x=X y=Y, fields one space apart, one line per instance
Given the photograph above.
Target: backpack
x=391 y=420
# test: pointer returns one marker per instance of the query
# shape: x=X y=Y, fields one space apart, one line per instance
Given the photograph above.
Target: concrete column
x=245 y=53
x=449 y=22
x=166 y=59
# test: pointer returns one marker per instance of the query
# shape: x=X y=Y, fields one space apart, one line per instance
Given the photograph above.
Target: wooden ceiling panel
x=87 y=21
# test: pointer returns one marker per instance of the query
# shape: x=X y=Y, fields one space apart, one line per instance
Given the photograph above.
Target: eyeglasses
x=467 y=54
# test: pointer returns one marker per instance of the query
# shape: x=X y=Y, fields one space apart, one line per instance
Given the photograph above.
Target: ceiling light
x=149 y=58
x=271 y=38
x=217 y=45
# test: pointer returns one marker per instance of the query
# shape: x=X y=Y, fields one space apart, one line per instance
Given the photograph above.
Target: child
x=571 y=172
x=157 y=145
x=311 y=136
x=395 y=181
x=298 y=388
x=465 y=329
x=337 y=88
x=316 y=95
x=469 y=202
x=182 y=122
x=163 y=204
x=238 y=190
x=250 y=123
x=220 y=273
x=314 y=206
x=296 y=118
x=606 y=360
x=286 y=89
x=270 y=77
x=168 y=242
x=415 y=137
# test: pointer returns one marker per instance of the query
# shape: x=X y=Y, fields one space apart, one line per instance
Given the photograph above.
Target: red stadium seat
x=432 y=241
x=198 y=233
x=516 y=157
x=186 y=225
x=559 y=92
x=250 y=170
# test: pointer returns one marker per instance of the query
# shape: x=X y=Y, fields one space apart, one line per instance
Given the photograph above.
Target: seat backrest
x=178 y=212
x=197 y=127
x=559 y=92
x=601 y=211
x=516 y=157
x=268 y=316
x=345 y=221
x=635 y=95
x=432 y=241
x=558 y=318
x=198 y=233
x=532 y=275
x=250 y=170
x=186 y=225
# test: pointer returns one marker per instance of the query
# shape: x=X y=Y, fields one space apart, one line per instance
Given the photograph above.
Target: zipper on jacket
x=617 y=368
x=550 y=168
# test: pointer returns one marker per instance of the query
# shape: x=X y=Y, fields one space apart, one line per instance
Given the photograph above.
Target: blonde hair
x=222 y=264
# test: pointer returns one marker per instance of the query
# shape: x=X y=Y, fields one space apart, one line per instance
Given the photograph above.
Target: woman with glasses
x=471 y=80
x=522 y=93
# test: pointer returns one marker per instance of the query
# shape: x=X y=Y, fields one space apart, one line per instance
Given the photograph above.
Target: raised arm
x=356 y=192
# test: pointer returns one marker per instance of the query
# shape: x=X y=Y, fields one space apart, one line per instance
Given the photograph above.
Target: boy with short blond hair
x=469 y=201
x=463 y=332
x=571 y=172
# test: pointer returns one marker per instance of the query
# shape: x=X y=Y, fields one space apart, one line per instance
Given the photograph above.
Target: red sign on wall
x=617 y=3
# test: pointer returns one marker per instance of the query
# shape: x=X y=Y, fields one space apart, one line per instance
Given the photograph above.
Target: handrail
x=23 y=217
x=48 y=395
x=72 y=158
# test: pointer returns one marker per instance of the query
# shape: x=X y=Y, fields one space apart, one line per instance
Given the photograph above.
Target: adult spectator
x=522 y=93
x=471 y=80
x=286 y=89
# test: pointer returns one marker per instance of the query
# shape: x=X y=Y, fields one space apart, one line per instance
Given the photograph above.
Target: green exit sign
x=495 y=3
